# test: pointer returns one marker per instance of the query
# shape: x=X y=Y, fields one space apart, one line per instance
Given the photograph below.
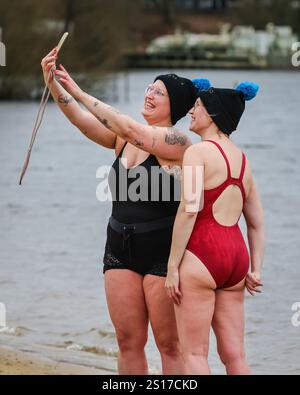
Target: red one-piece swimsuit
x=220 y=248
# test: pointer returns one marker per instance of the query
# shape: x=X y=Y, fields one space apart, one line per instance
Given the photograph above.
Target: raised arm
x=254 y=217
x=83 y=120
x=164 y=142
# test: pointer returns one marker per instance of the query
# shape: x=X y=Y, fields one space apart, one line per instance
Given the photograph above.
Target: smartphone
x=61 y=41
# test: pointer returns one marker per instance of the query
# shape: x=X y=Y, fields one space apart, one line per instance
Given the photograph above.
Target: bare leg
x=128 y=312
x=228 y=325
x=163 y=323
x=195 y=313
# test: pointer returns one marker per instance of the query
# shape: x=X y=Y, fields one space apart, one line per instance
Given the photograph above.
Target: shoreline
x=16 y=362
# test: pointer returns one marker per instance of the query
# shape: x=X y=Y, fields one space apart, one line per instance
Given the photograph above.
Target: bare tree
x=69 y=15
x=100 y=34
x=167 y=8
x=196 y=5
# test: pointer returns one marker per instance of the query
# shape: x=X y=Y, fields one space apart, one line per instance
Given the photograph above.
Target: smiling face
x=157 y=109
x=200 y=119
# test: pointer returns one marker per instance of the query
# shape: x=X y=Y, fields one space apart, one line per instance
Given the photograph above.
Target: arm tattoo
x=104 y=122
x=173 y=137
x=138 y=143
x=64 y=99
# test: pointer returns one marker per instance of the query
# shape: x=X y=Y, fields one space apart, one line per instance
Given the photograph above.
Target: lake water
x=52 y=228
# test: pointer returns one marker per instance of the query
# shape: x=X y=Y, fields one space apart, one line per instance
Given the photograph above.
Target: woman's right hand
x=253 y=280
x=172 y=286
x=48 y=63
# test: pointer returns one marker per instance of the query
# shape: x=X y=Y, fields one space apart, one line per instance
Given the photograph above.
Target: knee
x=199 y=352
x=132 y=342
x=231 y=355
x=169 y=347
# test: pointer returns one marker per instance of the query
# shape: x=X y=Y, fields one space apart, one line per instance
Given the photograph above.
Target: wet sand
x=14 y=362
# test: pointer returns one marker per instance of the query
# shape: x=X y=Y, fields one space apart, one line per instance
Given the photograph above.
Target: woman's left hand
x=64 y=78
x=172 y=286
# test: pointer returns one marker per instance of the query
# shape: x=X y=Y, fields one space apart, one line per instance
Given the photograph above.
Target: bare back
x=229 y=205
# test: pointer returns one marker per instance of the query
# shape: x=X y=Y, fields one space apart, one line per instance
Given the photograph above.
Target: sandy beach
x=14 y=362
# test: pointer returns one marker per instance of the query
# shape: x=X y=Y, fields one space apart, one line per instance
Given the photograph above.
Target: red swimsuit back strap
x=225 y=157
x=243 y=167
x=242 y=175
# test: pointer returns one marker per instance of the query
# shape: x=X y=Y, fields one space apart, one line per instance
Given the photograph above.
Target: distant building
x=234 y=47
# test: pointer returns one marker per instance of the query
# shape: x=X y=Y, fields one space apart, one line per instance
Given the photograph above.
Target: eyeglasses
x=154 y=90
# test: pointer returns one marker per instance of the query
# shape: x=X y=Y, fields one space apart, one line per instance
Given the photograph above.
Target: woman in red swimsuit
x=209 y=261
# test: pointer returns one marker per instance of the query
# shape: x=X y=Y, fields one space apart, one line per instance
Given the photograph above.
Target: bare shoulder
x=194 y=154
x=195 y=149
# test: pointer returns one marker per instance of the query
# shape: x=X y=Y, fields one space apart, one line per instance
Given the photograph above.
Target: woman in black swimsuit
x=140 y=230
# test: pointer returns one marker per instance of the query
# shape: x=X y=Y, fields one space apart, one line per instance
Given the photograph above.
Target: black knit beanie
x=182 y=94
x=226 y=106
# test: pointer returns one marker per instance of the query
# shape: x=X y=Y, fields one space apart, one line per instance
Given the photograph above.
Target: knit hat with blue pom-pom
x=226 y=106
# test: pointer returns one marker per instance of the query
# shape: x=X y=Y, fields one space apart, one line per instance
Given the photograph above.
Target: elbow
x=190 y=214
x=255 y=220
x=257 y=226
x=75 y=121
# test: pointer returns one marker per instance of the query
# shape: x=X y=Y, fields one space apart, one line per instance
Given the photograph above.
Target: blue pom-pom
x=201 y=84
x=249 y=89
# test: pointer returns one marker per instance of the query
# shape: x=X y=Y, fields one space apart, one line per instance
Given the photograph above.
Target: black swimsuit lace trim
x=110 y=261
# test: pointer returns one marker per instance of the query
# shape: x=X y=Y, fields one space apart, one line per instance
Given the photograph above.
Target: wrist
x=172 y=266
x=81 y=96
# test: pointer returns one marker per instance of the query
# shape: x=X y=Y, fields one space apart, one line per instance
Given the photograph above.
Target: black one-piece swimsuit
x=146 y=252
